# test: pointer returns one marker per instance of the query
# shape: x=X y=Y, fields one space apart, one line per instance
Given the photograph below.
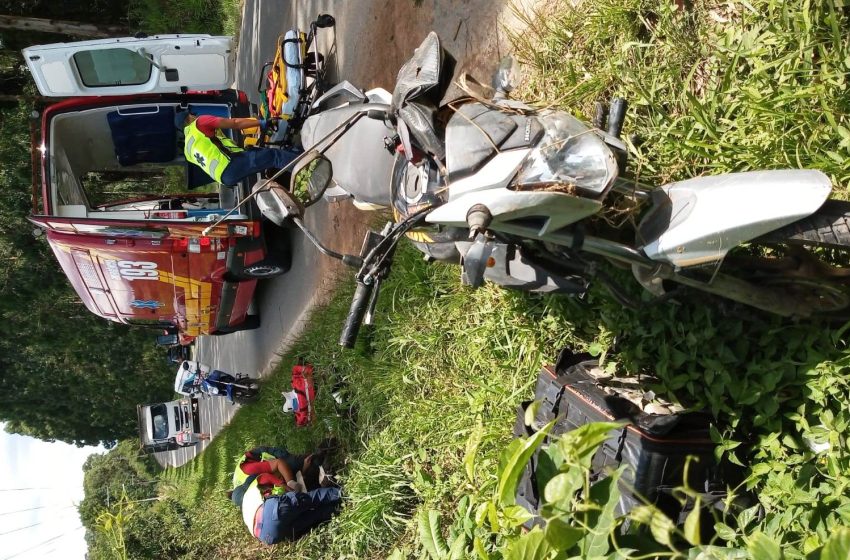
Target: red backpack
x=300 y=399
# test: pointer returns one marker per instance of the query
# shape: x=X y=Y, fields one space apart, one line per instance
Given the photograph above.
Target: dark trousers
x=254 y=160
x=296 y=513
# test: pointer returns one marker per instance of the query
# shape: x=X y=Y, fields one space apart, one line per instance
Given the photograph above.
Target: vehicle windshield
x=159 y=420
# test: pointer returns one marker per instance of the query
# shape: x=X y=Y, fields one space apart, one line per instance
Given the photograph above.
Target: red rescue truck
x=135 y=249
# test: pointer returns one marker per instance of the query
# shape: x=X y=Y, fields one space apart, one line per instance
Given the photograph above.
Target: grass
x=216 y=17
x=720 y=87
x=730 y=86
x=421 y=387
x=412 y=413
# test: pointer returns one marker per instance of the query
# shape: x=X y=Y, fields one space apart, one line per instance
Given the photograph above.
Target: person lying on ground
x=288 y=516
x=210 y=149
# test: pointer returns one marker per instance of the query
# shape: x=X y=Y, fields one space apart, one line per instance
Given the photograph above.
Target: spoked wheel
x=246 y=395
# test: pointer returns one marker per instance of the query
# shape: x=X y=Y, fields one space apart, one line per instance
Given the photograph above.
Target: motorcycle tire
x=827 y=232
x=248 y=394
x=245 y=397
x=828 y=227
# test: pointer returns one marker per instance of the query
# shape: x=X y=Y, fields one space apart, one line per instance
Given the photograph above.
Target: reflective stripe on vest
x=201 y=151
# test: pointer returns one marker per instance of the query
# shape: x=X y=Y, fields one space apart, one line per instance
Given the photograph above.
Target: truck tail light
x=169 y=214
x=181 y=244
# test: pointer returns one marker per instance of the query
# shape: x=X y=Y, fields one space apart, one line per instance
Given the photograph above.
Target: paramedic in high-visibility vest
x=220 y=158
x=277 y=471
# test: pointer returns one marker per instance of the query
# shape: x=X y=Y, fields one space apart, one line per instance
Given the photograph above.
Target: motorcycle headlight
x=570 y=157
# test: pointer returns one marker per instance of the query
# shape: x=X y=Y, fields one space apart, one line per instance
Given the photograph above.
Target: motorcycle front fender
x=699 y=220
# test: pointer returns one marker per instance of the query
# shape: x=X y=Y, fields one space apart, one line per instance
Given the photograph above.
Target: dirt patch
x=473 y=32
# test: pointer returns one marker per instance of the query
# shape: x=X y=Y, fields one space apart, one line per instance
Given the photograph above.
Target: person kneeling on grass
x=288 y=516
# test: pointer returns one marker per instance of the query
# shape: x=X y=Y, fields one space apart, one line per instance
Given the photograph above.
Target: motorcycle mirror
x=507 y=76
x=276 y=204
x=311 y=181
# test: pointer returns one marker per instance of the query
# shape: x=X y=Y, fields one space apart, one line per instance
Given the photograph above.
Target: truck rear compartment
x=133 y=140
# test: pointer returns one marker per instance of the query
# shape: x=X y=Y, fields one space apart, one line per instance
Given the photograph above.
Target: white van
x=169 y=425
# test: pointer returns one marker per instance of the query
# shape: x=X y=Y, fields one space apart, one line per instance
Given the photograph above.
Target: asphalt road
x=371 y=40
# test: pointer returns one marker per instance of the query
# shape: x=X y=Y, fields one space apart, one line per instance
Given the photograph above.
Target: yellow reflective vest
x=202 y=150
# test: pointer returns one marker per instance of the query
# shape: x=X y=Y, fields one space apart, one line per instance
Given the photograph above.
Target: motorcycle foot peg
x=478 y=217
x=476 y=261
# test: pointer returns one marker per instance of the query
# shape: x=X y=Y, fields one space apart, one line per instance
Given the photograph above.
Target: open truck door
x=131 y=66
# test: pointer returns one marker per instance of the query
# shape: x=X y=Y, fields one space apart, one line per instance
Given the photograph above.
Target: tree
x=127 y=512
x=65 y=378
x=61 y=27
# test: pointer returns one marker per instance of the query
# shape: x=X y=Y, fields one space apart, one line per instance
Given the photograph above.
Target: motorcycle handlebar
x=617 y=116
x=359 y=303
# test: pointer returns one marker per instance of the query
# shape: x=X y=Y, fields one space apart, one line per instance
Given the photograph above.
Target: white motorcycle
x=538 y=200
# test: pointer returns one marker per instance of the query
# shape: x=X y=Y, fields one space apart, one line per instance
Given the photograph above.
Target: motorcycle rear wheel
x=247 y=394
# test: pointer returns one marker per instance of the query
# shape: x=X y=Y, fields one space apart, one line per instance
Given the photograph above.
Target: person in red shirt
x=220 y=158
x=277 y=472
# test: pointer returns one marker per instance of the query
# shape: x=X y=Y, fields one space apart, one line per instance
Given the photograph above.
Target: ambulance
x=144 y=237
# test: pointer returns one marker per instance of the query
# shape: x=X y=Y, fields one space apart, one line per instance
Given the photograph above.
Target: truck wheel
x=266 y=268
x=279 y=243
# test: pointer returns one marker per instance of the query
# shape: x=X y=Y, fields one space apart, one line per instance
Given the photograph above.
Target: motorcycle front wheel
x=808 y=260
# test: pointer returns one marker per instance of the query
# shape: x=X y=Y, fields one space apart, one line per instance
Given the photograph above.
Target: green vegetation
x=66 y=379
x=435 y=400
x=720 y=87
x=216 y=17
x=434 y=389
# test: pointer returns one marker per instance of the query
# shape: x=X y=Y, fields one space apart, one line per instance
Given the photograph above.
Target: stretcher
x=289 y=84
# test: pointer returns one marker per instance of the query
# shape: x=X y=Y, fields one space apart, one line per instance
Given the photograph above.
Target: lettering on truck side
x=197 y=293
